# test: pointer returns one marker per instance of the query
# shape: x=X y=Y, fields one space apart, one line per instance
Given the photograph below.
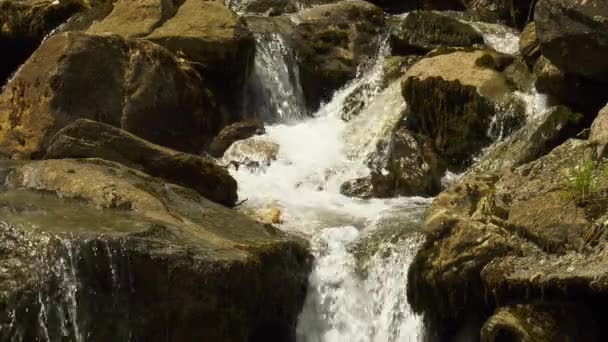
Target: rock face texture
x=452 y=98
x=534 y=232
x=91 y=139
x=232 y=134
x=515 y=13
x=131 y=84
x=158 y=260
x=423 y=31
x=573 y=35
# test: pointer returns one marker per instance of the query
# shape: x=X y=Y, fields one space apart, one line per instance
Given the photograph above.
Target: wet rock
x=158 y=260
x=132 y=84
x=452 y=98
x=422 y=31
x=331 y=41
x=396 y=66
x=599 y=132
x=539 y=136
x=406 y=166
x=529 y=46
x=23 y=25
x=515 y=13
x=253 y=153
x=91 y=139
x=233 y=133
x=573 y=35
x=548 y=322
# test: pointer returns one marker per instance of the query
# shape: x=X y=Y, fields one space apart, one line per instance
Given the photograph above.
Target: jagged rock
x=91 y=139
x=541 y=322
x=422 y=31
x=158 y=260
x=132 y=84
x=233 y=133
x=514 y=13
x=409 y=167
x=331 y=41
x=539 y=136
x=452 y=98
x=529 y=47
x=23 y=25
x=573 y=35
x=599 y=132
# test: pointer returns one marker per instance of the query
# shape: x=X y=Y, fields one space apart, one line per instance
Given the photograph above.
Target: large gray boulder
x=92 y=250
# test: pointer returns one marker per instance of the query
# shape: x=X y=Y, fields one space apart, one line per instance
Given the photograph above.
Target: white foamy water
x=315 y=156
x=499 y=37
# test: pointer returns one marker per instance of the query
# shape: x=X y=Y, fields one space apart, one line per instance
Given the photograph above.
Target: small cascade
x=274 y=92
x=499 y=37
x=301 y=180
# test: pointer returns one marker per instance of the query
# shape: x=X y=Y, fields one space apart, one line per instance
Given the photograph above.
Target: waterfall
x=315 y=156
x=274 y=92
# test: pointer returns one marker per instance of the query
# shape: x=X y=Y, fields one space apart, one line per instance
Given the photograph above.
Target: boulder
x=406 y=166
x=331 y=41
x=515 y=13
x=24 y=24
x=452 y=98
x=599 y=132
x=130 y=256
x=255 y=152
x=233 y=133
x=209 y=34
x=91 y=139
x=132 y=84
x=131 y=19
x=573 y=35
x=529 y=47
x=422 y=31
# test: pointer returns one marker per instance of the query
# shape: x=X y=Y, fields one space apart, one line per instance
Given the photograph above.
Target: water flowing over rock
x=135 y=258
x=131 y=84
x=91 y=139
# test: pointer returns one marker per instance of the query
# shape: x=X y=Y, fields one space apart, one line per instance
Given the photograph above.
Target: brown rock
x=131 y=84
x=91 y=139
x=233 y=133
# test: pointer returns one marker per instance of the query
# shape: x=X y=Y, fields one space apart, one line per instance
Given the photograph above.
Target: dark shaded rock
x=132 y=84
x=529 y=46
x=573 y=35
x=23 y=25
x=133 y=257
x=452 y=98
x=581 y=94
x=421 y=31
x=541 y=322
x=331 y=41
x=407 y=166
x=515 y=13
x=233 y=133
x=91 y=139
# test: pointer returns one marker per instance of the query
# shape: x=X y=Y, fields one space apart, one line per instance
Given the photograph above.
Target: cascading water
x=274 y=92
x=355 y=293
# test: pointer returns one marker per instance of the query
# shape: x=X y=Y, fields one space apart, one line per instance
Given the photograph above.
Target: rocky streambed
x=313 y=171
